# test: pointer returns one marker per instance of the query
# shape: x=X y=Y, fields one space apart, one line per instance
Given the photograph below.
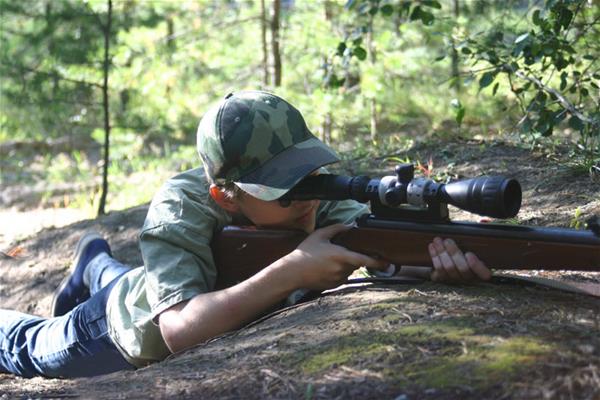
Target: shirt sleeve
x=175 y=246
x=177 y=267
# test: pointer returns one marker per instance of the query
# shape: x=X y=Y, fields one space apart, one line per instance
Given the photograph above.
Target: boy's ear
x=224 y=201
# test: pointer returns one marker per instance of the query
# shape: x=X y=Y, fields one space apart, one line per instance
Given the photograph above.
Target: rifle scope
x=493 y=196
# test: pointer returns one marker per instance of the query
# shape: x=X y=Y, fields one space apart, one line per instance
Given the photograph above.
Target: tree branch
x=53 y=74
x=566 y=104
x=95 y=15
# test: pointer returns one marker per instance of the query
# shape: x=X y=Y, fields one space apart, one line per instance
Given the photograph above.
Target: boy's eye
x=284 y=202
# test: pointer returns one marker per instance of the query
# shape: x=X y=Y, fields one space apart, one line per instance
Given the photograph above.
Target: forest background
x=100 y=99
x=99 y=104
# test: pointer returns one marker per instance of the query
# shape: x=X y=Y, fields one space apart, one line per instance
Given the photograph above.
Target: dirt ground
x=500 y=340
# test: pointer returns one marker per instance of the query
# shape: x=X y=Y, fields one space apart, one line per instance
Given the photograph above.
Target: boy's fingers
x=360 y=260
x=478 y=267
x=446 y=260
x=330 y=231
x=459 y=260
x=438 y=273
x=347 y=256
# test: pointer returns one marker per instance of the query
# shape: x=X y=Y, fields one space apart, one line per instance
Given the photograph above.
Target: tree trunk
x=329 y=12
x=397 y=20
x=171 y=44
x=102 y=205
x=372 y=60
x=455 y=60
x=275 y=43
x=327 y=127
x=265 y=51
x=373 y=120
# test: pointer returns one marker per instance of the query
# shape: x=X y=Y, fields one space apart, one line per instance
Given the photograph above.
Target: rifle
x=406 y=214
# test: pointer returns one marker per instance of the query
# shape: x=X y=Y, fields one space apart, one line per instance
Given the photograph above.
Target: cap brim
x=277 y=176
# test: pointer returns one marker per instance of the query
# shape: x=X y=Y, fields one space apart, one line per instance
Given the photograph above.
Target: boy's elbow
x=173 y=329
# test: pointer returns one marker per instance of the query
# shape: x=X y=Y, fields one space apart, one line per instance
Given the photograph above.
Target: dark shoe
x=72 y=291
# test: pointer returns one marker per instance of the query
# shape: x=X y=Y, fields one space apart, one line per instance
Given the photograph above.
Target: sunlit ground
x=20 y=224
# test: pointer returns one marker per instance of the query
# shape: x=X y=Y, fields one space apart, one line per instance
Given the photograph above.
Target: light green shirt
x=178 y=262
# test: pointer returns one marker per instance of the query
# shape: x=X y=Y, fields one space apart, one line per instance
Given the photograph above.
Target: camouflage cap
x=260 y=142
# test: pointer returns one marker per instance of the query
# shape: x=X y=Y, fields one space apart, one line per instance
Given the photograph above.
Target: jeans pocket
x=89 y=320
x=91 y=315
x=97 y=328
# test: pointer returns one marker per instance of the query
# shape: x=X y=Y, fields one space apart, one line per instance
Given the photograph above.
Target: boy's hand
x=320 y=265
x=451 y=265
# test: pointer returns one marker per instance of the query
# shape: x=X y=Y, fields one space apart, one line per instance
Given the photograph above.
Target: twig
x=520 y=100
x=53 y=74
x=561 y=99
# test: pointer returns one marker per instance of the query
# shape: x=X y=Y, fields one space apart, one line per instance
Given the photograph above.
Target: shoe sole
x=81 y=244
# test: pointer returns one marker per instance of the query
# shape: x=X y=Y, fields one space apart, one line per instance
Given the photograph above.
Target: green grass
x=135 y=180
x=440 y=354
x=134 y=175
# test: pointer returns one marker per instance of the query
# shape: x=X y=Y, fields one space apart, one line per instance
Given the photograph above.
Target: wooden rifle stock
x=241 y=252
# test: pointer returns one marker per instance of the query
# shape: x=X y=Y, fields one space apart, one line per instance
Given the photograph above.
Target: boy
x=255 y=147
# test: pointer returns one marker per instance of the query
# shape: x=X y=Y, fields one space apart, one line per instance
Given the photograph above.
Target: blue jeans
x=76 y=344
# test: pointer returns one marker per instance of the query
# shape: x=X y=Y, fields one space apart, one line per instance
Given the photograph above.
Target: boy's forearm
x=211 y=314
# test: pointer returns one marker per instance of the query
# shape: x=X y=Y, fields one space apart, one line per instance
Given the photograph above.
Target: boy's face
x=299 y=215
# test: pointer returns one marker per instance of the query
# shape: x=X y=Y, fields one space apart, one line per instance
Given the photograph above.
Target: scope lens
x=511 y=197
x=493 y=196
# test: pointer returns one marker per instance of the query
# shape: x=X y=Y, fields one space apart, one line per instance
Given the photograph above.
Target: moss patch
x=484 y=362
x=371 y=344
x=450 y=330
x=341 y=354
x=435 y=354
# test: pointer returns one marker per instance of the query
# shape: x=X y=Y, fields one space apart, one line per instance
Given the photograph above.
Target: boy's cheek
x=310 y=226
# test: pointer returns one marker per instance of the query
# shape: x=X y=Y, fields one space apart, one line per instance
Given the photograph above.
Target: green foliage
x=365 y=10
x=545 y=60
x=171 y=60
x=460 y=111
x=550 y=68
x=577 y=222
x=51 y=63
x=38 y=41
